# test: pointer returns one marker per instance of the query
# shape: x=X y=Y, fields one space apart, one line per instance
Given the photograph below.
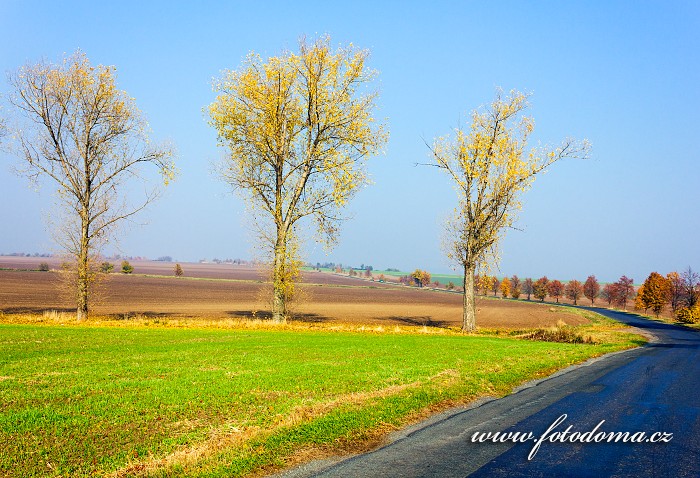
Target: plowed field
x=228 y=291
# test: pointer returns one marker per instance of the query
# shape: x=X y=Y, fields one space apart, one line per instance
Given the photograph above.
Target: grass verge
x=164 y=401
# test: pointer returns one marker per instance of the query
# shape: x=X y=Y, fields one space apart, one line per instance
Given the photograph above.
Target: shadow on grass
x=421 y=320
x=34 y=310
x=139 y=314
x=267 y=315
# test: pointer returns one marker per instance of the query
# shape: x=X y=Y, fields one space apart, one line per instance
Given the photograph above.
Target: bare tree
x=691 y=284
x=490 y=169
x=623 y=291
x=515 y=287
x=528 y=287
x=299 y=129
x=89 y=138
x=676 y=290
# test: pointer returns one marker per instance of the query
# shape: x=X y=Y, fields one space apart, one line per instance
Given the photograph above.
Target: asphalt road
x=651 y=389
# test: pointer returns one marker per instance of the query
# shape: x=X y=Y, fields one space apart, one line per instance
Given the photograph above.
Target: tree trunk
x=468 y=303
x=83 y=284
x=279 y=282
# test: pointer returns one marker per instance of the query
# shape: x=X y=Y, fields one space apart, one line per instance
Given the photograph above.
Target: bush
x=450 y=286
x=44 y=267
x=106 y=267
x=127 y=268
x=178 y=270
x=558 y=334
x=689 y=315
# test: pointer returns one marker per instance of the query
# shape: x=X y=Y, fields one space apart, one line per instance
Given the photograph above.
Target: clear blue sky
x=625 y=75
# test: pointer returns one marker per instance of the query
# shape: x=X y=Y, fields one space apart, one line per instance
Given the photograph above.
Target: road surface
x=652 y=389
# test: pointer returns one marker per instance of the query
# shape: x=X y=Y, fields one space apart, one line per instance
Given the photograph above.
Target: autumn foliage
x=420 y=277
x=505 y=288
x=574 y=290
x=540 y=288
x=555 y=289
x=591 y=289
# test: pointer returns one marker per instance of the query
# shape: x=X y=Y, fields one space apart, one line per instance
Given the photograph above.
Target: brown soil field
x=227 y=291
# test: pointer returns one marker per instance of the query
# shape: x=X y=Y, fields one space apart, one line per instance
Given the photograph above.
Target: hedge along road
x=653 y=389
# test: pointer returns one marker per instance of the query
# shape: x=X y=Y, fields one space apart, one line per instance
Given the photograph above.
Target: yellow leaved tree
x=81 y=132
x=298 y=128
x=490 y=168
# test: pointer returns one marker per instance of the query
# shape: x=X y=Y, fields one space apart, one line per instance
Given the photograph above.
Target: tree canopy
x=299 y=128
x=490 y=168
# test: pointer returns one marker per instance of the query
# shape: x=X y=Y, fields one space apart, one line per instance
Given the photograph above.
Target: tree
x=127 y=268
x=490 y=168
x=555 y=289
x=421 y=278
x=574 y=290
x=106 y=267
x=591 y=289
x=505 y=288
x=89 y=138
x=675 y=290
x=528 y=287
x=639 y=302
x=609 y=292
x=484 y=284
x=178 y=270
x=691 y=283
x=654 y=292
x=540 y=288
x=298 y=129
x=515 y=287
x=495 y=284
x=623 y=291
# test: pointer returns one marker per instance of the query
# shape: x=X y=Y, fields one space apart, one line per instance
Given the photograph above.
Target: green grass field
x=78 y=401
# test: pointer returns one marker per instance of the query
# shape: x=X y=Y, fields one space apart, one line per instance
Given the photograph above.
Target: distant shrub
x=382 y=278
x=127 y=268
x=421 y=278
x=106 y=267
x=559 y=334
x=689 y=315
x=178 y=270
x=44 y=267
x=450 y=285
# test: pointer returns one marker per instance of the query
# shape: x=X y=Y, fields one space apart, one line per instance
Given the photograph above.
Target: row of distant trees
x=127 y=268
x=679 y=291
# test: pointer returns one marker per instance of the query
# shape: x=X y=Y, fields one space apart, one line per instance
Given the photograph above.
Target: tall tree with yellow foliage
x=490 y=168
x=299 y=128
x=88 y=138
